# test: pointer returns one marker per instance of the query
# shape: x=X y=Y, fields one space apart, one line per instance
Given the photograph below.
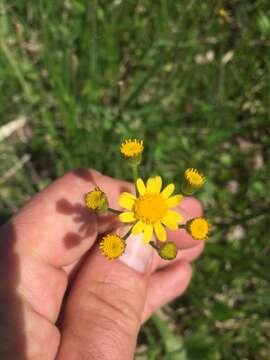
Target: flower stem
x=127 y=234
x=154 y=245
x=134 y=169
x=182 y=226
x=114 y=211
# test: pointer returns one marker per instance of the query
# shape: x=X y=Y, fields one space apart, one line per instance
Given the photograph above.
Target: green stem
x=127 y=234
x=154 y=245
x=182 y=226
x=114 y=211
x=134 y=169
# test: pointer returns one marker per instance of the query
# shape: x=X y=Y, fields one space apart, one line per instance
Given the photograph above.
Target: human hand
x=60 y=298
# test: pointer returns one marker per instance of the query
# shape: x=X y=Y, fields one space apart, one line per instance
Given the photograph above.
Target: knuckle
x=115 y=307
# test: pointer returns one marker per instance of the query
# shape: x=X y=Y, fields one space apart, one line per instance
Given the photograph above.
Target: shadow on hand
x=84 y=174
x=12 y=326
x=85 y=217
x=81 y=215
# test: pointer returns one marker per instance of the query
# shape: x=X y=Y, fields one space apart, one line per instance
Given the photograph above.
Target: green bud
x=168 y=251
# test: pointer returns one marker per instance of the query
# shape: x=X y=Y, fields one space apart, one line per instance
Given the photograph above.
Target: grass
x=195 y=86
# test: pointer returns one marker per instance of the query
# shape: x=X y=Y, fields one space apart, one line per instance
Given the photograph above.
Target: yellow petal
x=138 y=228
x=154 y=185
x=175 y=216
x=127 y=200
x=174 y=200
x=127 y=217
x=141 y=187
x=167 y=192
x=147 y=234
x=169 y=223
x=158 y=184
x=171 y=219
x=160 y=232
x=151 y=185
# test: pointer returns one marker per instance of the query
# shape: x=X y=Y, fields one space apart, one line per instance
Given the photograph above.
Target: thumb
x=105 y=306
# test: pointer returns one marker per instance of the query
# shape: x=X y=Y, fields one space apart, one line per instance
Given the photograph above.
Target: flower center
x=199 y=228
x=195 y=178
x=94 y=199
x=115 y=247
x=132 y=148
x=112 y=246
x=150 y=208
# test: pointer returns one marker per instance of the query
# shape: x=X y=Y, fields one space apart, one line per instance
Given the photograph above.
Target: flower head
x=96 y=200
x=168 y=251
x=132 y=151
x=112 y=246
x=131 y=148
x=193 y=180
x=223 y=14
x=198 y=228
x=150 y=210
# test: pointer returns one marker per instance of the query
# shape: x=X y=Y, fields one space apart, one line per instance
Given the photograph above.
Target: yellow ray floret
x=131 y=148
x=150 y=210
x=112 y=246
x=198 y=228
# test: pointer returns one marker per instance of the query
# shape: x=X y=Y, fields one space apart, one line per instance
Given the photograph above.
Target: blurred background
x=192 y=79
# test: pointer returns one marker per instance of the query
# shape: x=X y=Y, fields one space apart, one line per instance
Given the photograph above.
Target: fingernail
x=138 y=255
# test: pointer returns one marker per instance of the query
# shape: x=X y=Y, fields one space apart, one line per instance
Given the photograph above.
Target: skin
x=59 y=297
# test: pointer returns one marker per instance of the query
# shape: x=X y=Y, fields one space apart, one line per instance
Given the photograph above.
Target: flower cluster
x=150 y=210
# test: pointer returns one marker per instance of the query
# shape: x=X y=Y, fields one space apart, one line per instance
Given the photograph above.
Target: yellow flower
x=193 y=180
x=132 y=148
x=198 y=228
x=168 y=251
x=96 y=200
x=151 y=209
x=112 y=246
x=224 y=14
